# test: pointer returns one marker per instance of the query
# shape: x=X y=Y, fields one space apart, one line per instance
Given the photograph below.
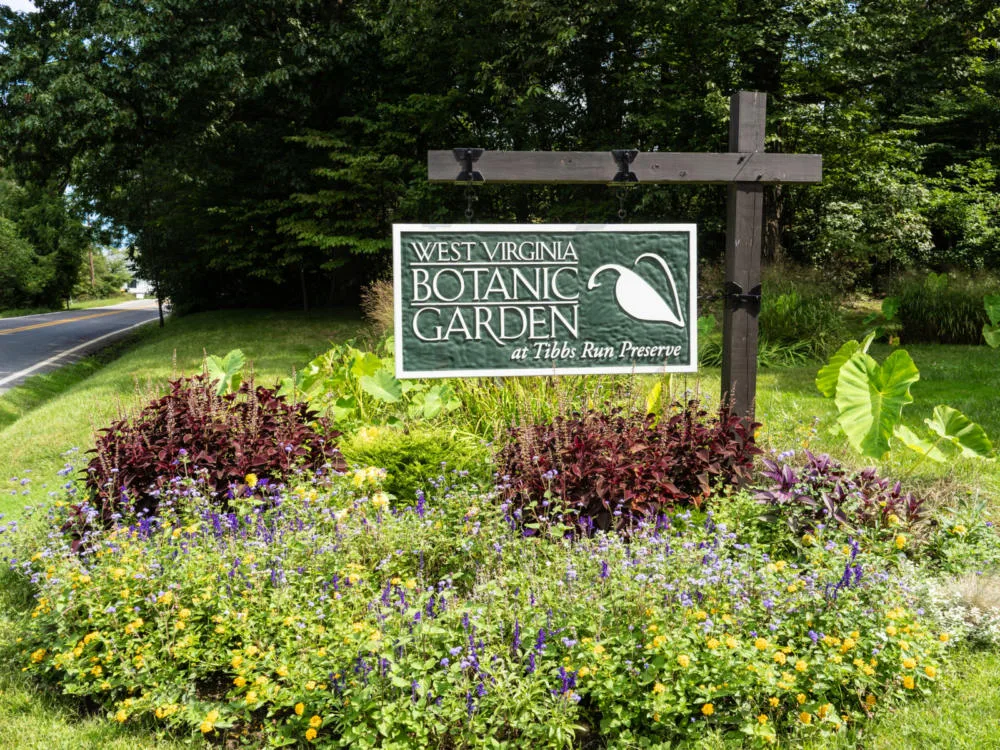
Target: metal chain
x=469 y=198
x=620 y=194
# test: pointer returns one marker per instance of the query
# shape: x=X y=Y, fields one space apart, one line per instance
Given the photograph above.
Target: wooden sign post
x=745 y=169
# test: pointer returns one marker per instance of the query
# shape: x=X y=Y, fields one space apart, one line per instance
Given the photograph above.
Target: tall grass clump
x=800 y=318
x=943 y=308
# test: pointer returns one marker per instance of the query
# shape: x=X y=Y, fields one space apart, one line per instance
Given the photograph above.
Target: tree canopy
x=257 y=152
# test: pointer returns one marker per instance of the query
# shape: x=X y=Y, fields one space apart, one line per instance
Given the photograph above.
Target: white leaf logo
x=637 y=298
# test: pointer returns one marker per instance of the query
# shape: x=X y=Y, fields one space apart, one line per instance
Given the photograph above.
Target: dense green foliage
x=261 y=150
x=944 y=309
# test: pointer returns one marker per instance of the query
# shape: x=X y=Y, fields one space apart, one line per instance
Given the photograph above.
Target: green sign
x=543 y=299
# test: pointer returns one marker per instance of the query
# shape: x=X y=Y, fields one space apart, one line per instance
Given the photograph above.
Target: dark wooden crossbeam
x=746 y=168
x=582 y=167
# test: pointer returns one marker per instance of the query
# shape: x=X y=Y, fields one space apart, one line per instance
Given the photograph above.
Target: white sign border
x=397 y=289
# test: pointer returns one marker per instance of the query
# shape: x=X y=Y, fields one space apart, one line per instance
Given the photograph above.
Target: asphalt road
x=34 y=344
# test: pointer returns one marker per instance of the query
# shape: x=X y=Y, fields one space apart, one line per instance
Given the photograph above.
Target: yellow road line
x=4 y=332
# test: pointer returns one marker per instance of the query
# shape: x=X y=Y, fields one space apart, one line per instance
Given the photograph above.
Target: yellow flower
x=380 y=500
x=891 y=630
x=652 y=628
x=310 y=734
x=184 y=613
x=684 y=660
x=251 y=697
x=712 y=643
x=731 y=642
x=38 y=655
x=708 y=709
x=909 y=663
x=299 y=708
x=930 y=671
x=908 y=682
x=598 y=648
x=870 y=701
x=823 y=710
x=808 y=539
x=240 y=681
x=780 y=657
x=960 y=529
x=774 y=702
x=943 y=637
x=282 y=671
x=805 y=717
x=760 y=644
x=900 y=541
x=659 y=688
x=801 y=698
x=801 y=666
x=167 y=597
x=315 y=722
x=762 y=719
x=410 y=583
x=251 y=480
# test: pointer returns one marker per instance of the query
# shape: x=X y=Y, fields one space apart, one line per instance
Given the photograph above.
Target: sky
x=19 y=4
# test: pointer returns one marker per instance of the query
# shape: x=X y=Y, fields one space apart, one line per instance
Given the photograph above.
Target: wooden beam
x=744 y=235
x=648 y=167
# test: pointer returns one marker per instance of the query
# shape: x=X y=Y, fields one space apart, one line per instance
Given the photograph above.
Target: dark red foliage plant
x=605 y=470
x=193 y=431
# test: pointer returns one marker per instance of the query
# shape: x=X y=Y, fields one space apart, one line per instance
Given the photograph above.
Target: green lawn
x=55 y=412
x=50 y=414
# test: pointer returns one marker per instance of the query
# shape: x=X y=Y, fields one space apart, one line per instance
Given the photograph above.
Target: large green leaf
x=917 y=444
x=365 y=363
x=226 y=371
x=890 y=306
x=992 y=304
x=826 y=378
x=383 y=385
x=871 y=398
x=967 y=437
x=992 y=335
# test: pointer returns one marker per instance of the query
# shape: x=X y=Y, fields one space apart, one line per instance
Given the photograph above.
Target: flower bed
x=320 y=613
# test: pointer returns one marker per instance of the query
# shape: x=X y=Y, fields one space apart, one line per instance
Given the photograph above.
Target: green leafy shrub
x=944 y=309
x=417 y=458
x=356 y=388
x=607 y=470
x=194 y=430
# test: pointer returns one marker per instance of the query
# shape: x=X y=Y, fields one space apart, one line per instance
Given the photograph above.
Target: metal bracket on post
x=466 y=157
x=623 y=158
x=736 y=297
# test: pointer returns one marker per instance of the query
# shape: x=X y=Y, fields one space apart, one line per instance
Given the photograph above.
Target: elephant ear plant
x=870 y=398
x=991 y=330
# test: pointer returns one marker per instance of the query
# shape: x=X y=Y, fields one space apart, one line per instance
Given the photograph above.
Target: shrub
x=415 y=459
x=193 y=430
x=609 y=469
x=945 y=309
x=822 y=491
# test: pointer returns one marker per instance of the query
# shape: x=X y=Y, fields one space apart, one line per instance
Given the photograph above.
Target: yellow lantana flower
x=315 y=722
x=684 y=660
x=310 y=734
x=908 y=682
x=760 y=644
x=708 y=709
